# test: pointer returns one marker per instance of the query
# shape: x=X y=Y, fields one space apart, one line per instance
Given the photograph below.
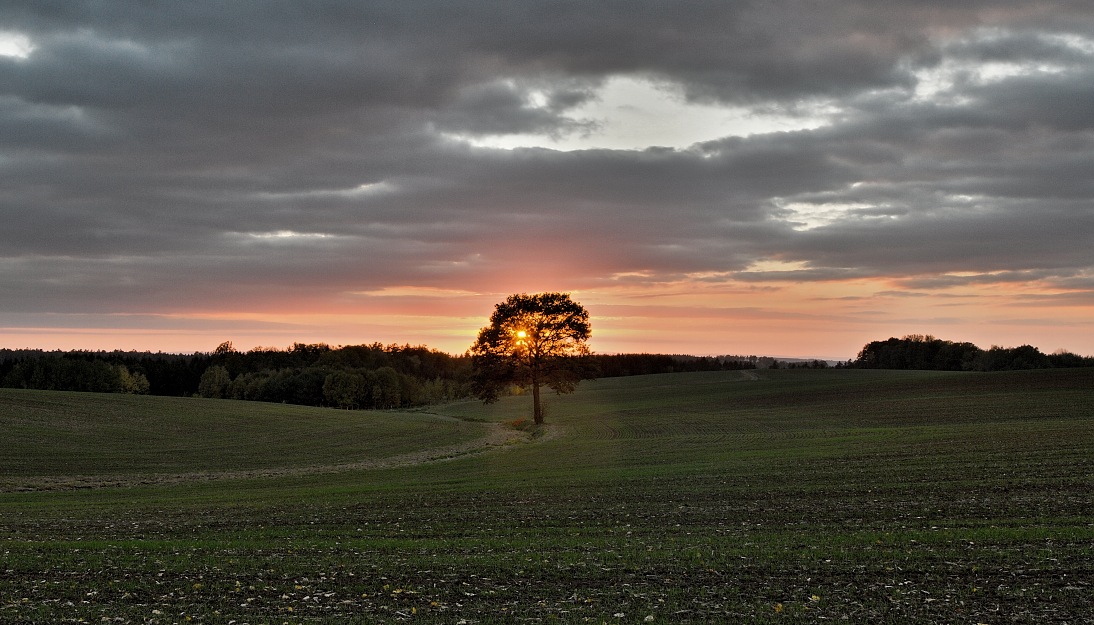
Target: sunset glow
x=828 y=320
x=743 y=179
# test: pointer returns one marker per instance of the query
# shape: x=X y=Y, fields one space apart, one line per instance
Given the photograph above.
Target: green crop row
x=801 y=496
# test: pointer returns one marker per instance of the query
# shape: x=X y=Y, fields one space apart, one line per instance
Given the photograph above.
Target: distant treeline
x=917 y=351
x=396 y=376
x=353 y=376
x=619 y=365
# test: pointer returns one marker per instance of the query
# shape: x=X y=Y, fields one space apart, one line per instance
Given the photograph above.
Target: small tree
x=532 y=340
x=386 y=388
x=214 y=382
x=344 y=389
x=135 y=383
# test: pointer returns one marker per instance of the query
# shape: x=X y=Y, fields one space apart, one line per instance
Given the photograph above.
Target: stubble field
x=797 y=497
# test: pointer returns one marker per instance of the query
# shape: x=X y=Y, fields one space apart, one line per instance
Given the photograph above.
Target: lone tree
x=532 y=340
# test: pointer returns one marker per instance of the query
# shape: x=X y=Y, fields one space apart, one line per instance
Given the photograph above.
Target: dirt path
x=498 y=437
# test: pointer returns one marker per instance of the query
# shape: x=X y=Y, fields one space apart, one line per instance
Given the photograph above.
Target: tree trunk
x=537 y=408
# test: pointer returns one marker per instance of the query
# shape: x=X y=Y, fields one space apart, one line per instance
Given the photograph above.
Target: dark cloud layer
x=197 y=155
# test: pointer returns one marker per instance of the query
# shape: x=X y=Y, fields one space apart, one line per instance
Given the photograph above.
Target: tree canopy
x=918 y=351
x=532 y=341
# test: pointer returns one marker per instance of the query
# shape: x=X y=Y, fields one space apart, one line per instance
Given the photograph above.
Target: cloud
x=204 y=155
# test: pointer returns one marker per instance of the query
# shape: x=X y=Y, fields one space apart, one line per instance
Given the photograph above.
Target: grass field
x=796 y=497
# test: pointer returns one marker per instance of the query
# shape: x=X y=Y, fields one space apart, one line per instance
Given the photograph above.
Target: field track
x=497 y=436
x=80 y=440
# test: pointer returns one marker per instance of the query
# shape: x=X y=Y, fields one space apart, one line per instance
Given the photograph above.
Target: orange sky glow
x=829 y=320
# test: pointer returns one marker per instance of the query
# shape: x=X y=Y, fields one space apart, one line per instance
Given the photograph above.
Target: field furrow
x=794 y=497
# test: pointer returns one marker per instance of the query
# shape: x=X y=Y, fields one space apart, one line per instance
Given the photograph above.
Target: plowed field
x=778 y=497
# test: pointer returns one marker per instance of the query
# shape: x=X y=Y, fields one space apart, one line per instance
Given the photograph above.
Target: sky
x=707 y=177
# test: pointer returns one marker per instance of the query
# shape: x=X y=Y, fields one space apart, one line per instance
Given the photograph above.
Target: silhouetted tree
x=532 y=341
